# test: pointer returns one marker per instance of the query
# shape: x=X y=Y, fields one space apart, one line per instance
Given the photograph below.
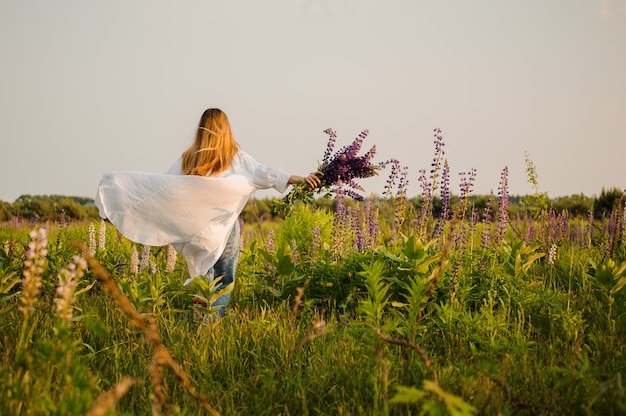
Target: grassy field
x=378 y=307
x=353 y=312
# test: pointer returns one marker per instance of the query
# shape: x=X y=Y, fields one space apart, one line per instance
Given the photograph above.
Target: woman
x=194 y=206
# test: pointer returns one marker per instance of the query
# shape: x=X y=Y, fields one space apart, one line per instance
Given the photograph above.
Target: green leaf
x=407 y=395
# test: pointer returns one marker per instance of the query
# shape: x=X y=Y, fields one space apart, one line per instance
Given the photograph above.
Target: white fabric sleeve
x=265 y=177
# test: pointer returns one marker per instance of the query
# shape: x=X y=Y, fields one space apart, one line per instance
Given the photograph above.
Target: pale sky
x=88 y=87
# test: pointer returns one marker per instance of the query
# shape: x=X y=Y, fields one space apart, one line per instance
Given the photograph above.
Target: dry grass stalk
x=297 y=302
x=103 y=404
x=319 y=329
x=161 y=355
x=408 y=344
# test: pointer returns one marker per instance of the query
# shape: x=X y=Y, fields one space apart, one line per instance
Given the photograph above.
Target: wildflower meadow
x=364 y=306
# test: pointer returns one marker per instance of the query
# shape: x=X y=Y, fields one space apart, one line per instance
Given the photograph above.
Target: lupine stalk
x=444 y=213
x=270 y=244
x=102 y=236
x=68 y=279
x=144 y=261
x=486 y=232
x=172 y=256
x=134 y=260
x=436 y=163
x=466 y=186
x=502 y=223
x=552 y=254
x=31 y=283
x=355 y=216
x=624 y=225
x=460 y=238
x=92 y=239
x=427 y=203
x=339 y=223
x=371 y=219
x=33 y=270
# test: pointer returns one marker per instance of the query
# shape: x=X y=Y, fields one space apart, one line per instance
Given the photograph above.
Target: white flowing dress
x=194 y=214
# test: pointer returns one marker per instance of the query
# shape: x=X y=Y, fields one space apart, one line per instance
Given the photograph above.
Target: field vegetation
x=443 y=304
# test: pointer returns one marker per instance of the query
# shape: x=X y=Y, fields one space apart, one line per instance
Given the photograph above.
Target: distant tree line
x=59 y=208
x=54 y=208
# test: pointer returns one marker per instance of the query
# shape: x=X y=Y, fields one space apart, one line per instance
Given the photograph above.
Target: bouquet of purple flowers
x=339 y=170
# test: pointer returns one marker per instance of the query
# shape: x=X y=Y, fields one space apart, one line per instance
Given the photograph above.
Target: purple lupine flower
x=371 y=219
x=460 y=238
x=436 y=163
x=467 y=183
x=444 y=213
x=339 y=222
x=330 y=145
x=427 y=202
x=623 y=226
x=270 y=244
x=62 y=221
x=503 y=205
x=550 y=226
x=340 y=168
x=393 y=175
x=485 y=237
x=355 y=216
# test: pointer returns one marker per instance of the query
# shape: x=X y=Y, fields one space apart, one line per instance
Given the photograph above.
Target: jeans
x=226 y=267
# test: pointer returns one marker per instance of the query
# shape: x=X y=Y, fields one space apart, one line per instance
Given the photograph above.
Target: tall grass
x=372 y=308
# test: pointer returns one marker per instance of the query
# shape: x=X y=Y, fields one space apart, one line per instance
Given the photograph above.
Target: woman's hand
x=313 y=179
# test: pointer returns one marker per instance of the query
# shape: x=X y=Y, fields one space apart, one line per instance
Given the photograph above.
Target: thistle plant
x=339 y=170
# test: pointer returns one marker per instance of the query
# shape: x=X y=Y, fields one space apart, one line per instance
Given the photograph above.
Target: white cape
x=192 y=213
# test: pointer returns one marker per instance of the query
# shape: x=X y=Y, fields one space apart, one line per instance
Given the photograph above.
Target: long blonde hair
x=214 y=147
